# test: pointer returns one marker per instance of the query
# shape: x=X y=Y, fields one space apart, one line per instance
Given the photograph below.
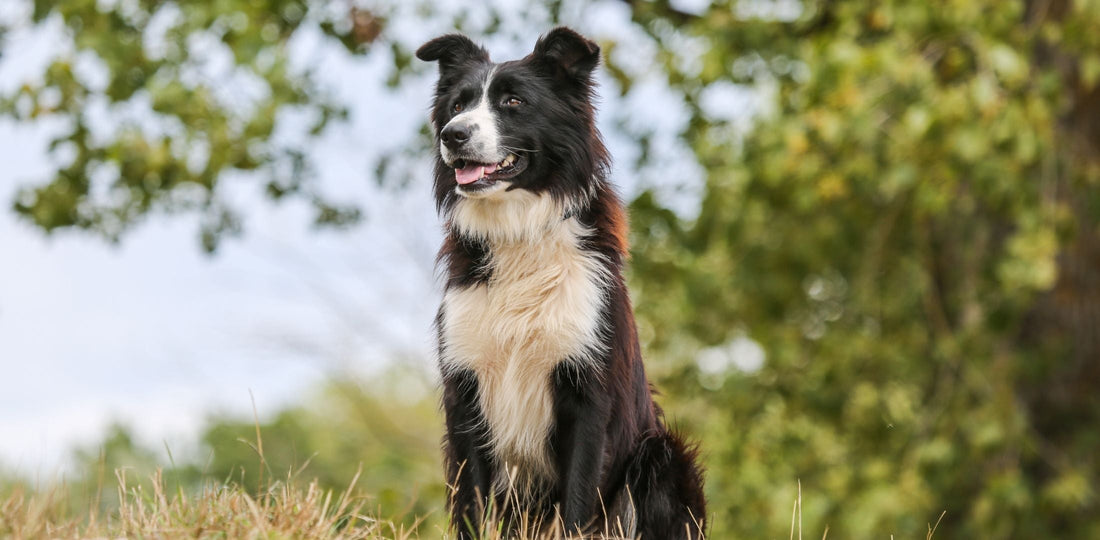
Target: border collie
x=549 y=415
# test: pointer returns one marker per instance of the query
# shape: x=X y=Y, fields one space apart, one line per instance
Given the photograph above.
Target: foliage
x=910 y=235
x=191 y=94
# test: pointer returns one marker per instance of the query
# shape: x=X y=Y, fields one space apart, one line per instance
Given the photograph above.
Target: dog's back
x=547 y=406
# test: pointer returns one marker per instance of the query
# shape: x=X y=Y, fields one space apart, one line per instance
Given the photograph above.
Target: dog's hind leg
x=667 y=489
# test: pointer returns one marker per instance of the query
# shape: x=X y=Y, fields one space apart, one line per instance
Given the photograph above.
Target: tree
x=147 y=66
x=911 y=235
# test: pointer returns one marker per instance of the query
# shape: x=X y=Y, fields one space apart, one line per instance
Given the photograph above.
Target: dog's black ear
x=451 y=50
x=567 y=54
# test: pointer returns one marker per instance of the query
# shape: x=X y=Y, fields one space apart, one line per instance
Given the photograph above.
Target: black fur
x=609 y=442
x=470 y=475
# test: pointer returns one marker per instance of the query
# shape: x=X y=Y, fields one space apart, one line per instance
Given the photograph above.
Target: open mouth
x=474 y=176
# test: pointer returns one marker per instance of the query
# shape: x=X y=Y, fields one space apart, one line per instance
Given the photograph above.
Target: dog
x=549 y=415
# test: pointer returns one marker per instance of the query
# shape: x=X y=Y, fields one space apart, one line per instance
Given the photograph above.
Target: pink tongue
x=471 y=173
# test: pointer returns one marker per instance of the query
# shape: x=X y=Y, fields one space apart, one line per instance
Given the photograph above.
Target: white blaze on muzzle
x=484 y=144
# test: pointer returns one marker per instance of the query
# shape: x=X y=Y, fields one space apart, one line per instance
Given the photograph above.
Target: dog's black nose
x=455 y=135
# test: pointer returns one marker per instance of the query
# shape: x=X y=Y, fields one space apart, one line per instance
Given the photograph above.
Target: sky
x=155 y=334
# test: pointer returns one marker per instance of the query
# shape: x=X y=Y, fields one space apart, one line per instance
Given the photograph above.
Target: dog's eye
x=513 y=101
x=458 y=107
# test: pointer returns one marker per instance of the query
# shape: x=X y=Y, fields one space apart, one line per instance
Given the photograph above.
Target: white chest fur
x=540 y=307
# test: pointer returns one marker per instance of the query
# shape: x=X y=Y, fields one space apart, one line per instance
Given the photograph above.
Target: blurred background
x=866 y=248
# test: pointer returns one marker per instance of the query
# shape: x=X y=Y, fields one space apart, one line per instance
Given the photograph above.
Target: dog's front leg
x=582 y=408
x=468 y=467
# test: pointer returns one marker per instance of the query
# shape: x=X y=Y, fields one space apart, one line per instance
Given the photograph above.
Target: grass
x=149 y=510
x=286 y=508
x=796 y=518
x=218 y=512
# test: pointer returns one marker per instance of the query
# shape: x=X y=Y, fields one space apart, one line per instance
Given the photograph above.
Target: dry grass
x=284 y=510
x=148 y=510
x=230 y=512
x=223 y=512
x=796 y=518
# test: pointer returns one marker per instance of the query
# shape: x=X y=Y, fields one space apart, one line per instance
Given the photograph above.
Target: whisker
x=506 y=138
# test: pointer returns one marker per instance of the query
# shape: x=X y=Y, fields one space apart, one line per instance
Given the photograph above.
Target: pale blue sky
x=156 y=334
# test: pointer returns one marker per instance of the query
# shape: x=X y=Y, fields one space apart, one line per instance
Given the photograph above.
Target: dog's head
x=522 y=130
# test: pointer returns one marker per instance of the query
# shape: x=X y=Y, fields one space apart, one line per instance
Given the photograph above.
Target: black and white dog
x=548 y=410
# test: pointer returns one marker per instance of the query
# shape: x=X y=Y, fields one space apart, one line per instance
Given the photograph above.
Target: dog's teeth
x=508 y=160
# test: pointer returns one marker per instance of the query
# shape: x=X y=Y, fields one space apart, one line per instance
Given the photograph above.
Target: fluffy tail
x=666 y=485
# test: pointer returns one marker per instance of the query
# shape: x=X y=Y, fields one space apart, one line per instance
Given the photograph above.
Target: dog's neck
x=513 y=217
